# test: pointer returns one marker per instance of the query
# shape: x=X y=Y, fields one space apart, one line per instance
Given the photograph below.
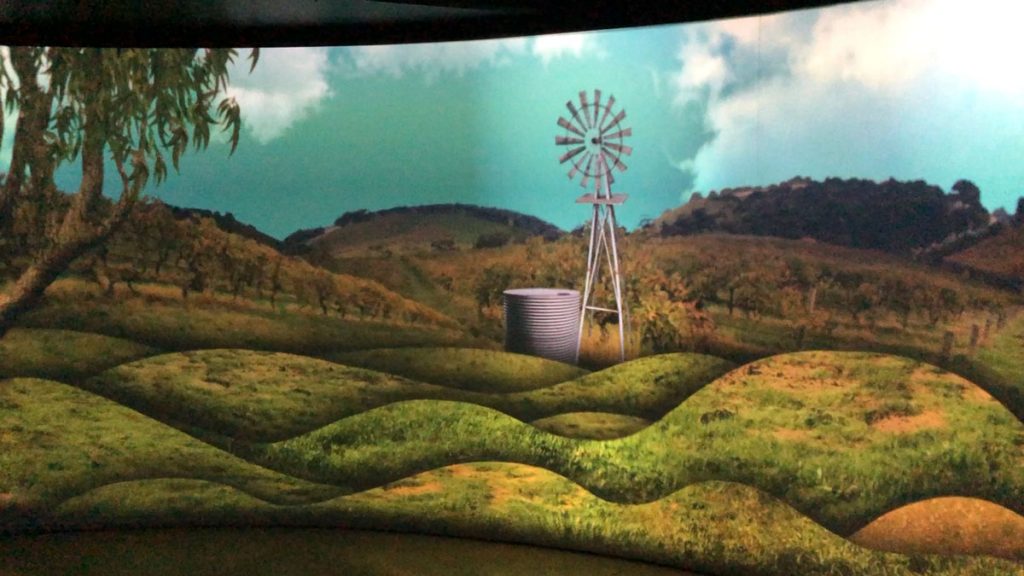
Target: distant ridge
x=894 y=216
x=228 y=223
x=439 y=226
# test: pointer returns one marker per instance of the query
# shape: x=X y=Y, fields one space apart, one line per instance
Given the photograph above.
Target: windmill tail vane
x=594 y=148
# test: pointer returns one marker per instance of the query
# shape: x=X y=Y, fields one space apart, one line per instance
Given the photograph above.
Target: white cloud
x=886 y=45
x=705 y=71
x=575 y=44
x=847 y=88
x=436 y=58
x=433 y=58
x=286 y=85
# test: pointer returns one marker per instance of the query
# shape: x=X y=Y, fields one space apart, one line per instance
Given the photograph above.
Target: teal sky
x=920 y=89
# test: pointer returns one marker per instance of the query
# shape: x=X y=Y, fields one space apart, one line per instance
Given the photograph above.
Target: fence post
x=947 y=346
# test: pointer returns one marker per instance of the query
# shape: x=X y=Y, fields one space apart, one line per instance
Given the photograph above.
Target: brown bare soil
x=950 y=525
x=905 y=424
x=804 y=374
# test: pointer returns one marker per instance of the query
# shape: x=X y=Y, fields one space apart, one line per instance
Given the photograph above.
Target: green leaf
x=159 y=168
x=255 y=57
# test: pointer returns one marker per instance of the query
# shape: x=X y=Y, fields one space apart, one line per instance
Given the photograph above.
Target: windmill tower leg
x=593 y=253
x=602 y=239
x=617 y=283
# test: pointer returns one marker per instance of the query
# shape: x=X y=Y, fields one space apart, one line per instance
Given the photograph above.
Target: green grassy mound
x=647 y=387
x=592 y=425
x=263 y=396
x=843 y=437
x=63 y=355
x=57 y=441
x=465 y=368
x=713 y=527
x=250 y=395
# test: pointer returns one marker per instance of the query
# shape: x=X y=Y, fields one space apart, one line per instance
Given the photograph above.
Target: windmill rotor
x=595 y=137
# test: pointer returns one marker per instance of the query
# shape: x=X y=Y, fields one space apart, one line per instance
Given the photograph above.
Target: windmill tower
x=594 y=136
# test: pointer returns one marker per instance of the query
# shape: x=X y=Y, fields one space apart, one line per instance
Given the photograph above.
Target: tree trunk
x=30 y=286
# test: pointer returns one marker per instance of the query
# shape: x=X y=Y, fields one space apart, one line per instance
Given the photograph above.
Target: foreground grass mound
x=843 y=437
x=58 y=441
x=295 y=552
x=592 y=425
x=264 y=396
x=465 y=368
x=712 y=527
x=647 y=387
x=251 y=395
x=950 y=525
x=64 y=355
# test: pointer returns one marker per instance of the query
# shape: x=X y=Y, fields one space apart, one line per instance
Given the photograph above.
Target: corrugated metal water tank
x=542 y=322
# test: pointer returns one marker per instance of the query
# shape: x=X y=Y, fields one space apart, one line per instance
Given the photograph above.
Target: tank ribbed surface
x=542 y=322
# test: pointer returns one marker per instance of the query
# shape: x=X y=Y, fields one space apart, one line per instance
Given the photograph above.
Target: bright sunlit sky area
x=910 y=89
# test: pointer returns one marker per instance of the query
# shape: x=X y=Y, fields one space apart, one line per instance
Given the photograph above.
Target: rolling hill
x=438 y=227
x=893 y=216
x=999 y=258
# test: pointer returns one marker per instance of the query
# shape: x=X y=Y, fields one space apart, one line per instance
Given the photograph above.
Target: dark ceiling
x=334 y=22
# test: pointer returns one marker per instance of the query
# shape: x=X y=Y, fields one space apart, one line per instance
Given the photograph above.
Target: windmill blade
x=570 y=154
x=567 y=140
x=607 y=170
x=586 y=173
x=575 y=169
x=618 y=163
x=569 y=126
x=584 y=106
x=576 y=116
x=622 y=149
x=615 y=121
x=620 y=134
x=598 y=173
x=597 y=105
x=607 y=111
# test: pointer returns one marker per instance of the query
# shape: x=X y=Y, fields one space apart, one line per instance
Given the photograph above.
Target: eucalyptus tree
x=136 y=109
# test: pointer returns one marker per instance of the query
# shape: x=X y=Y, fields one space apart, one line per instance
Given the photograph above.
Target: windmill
x=594 y=135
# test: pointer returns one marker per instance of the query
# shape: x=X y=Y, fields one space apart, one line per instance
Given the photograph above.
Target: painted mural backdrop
x=266 y=289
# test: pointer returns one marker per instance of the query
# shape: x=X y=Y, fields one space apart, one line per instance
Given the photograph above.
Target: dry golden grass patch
x=792 y=435
x=950 y=525
x=407 y=489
